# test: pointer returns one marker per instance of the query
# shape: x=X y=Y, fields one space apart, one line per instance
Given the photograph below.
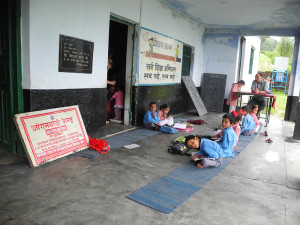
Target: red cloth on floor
x=199 y=122
x=99 y=145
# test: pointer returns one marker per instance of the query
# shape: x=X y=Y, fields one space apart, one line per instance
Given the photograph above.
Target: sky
x=276 y=38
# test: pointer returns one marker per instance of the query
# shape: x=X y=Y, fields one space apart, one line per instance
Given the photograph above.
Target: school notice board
x=160 y=59
x=51 y=134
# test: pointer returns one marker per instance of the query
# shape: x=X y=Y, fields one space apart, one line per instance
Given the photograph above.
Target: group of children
x=211 y=153
x=154 y=120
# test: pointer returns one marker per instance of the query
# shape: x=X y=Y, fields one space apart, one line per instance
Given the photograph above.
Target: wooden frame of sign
x=51 y=134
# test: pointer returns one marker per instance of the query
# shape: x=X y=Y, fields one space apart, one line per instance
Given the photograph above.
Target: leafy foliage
x=285 y=47
x=268 y=44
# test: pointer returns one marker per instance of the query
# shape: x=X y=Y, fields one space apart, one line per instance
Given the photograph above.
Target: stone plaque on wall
x=75 y=55
x=51 y=134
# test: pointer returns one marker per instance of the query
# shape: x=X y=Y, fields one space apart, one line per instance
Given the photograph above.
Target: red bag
x=99 y=145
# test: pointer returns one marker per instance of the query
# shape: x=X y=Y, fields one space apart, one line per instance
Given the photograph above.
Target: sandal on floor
x=264 y=133
x=269 y=140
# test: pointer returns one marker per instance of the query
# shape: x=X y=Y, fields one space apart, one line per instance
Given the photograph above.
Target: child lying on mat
x=210 y=153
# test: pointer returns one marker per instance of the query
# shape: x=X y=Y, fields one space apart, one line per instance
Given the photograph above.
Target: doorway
x=120 y=54
x=11 y=92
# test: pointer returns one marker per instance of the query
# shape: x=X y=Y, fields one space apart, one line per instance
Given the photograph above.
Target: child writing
x=151 y=119
x=162 y=115
x=253 y=113
x=248 y=123
x=232 y=97
x=210 y=153
x=119 y=105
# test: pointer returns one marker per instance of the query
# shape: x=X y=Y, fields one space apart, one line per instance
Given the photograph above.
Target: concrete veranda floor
x=260 y=186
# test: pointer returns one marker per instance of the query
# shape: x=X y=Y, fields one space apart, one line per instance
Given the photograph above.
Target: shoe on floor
x=269 y=140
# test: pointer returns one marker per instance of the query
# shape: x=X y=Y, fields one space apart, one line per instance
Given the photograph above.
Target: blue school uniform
x=148 y=118
x=210 y=149
x=228 y=141
x=248 y=123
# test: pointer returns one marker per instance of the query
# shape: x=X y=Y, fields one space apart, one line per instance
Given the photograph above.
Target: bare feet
x=235 y=147
x=199 y=165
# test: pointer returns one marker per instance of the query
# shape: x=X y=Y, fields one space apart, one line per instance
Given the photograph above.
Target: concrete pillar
x=297 y=127
x=292 y=105
x=292 y=111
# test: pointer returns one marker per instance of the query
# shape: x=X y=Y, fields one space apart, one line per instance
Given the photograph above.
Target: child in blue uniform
x=151 y=119
x=228 y=140
x=248 y=124
x=210 y=153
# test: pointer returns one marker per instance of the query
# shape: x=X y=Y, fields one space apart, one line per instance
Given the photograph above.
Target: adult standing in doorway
x=111 y=82
x=259 y=86
x=111 y=74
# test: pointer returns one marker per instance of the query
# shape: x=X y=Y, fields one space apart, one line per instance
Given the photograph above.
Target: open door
x=10 y=75
x=120 y=53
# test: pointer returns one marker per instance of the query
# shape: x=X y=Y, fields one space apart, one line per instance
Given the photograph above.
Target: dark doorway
x=118 y=55
x=11 y=97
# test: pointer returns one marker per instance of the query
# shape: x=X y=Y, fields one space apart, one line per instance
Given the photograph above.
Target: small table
x=271 y=100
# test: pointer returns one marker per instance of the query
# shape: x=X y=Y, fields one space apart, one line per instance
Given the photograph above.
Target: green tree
x=268 y=44
x=285 y=47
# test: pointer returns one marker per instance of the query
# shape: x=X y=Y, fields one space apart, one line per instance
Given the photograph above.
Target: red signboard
x=51 y=134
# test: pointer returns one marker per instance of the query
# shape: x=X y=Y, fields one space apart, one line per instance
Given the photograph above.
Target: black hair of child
x=119 y=87
x=254 y=106
x=190 y=137
x=230 y=117
x=246 y=108
x=241 y=82
x=152 y=103
x=164 y=106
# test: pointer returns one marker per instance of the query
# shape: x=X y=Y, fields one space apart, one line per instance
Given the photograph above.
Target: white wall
x=89 y=20
x=221 y=56
x=248 y=78
x=157 y=17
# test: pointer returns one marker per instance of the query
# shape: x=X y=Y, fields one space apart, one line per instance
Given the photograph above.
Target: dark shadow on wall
x=176 y=96
x=91 y=104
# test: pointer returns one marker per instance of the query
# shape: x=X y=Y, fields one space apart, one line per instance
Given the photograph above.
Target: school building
x=55 y=53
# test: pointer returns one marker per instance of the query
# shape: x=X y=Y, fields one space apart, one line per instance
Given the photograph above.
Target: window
x=251 y=60
x=186 y=60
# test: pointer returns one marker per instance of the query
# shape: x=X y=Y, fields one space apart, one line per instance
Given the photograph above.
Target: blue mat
x=119 y=141
x=170 y=191
x=164 y=194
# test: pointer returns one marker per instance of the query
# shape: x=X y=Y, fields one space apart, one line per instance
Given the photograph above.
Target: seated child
x=248 y=124
x=210 y=153
x=236 y=128
x=236 y=125
x=162 y=115
x=228 y=139
x=151 y=119
x=119 y=104
x=253 y=113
